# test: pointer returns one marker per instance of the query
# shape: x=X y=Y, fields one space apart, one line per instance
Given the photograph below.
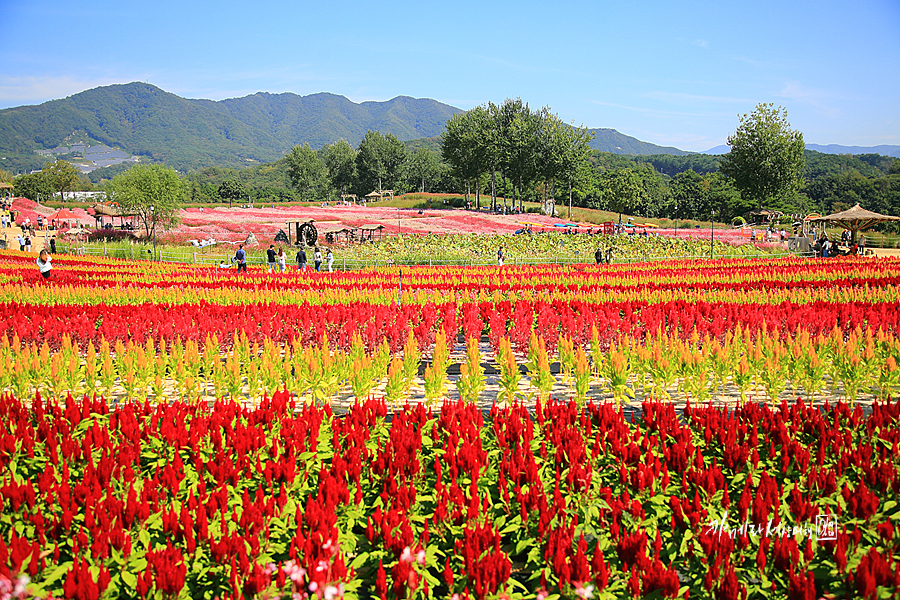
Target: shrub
x=112 y=235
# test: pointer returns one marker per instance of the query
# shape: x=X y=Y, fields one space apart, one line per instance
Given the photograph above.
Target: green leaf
x=688 y=536
x=128 y=578
x=57 y=573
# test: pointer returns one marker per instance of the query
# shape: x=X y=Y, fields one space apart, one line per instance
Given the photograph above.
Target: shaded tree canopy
x=232 y=189
x=34 y=186
x=305 y=170
x=152 y=192
x=766 y=158
x=380 y=162
x=340 y=162
x=62 y=175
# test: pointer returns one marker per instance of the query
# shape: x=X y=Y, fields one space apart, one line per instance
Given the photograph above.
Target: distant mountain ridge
x=830 y=149
x=145 y=120
x=884 y=150
x=187 y=134
x=610 y=140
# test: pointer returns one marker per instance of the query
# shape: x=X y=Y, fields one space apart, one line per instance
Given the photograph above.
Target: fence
x=345 y=264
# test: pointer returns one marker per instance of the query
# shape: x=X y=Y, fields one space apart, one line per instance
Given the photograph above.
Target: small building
x=763 y=216
x=376 y=195
x=367 y=233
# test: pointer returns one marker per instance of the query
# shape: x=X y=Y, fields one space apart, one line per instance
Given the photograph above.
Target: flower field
x=675 y=429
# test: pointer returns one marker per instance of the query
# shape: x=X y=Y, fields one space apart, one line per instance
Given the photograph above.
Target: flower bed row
x=180 y=500
x=757 y=365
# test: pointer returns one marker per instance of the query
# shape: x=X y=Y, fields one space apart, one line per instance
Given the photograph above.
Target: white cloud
x=681 y=97
x=818 y=99
x=649 y=111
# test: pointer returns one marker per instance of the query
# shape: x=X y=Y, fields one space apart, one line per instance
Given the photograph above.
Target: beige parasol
x=856 y=219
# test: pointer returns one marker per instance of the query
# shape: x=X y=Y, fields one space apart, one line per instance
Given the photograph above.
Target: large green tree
x=519 y=131
x=380 y=162
x=34 y=186
x=306 y=171
x=340 y=162
x=153 y=193
x=232 y=190
x=766 y=157
x=463 y=148
x=622 y=191
x=423 y=168
x=62 y=175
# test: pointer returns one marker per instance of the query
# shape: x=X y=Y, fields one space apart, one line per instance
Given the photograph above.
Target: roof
x=63 y=213
x=371 y=227
x=856 y=218
x=331 y=229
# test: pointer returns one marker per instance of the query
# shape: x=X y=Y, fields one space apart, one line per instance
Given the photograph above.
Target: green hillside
x=610 y=140
x=192 y=134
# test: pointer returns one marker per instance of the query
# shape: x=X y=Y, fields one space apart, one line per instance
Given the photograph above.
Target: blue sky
x=671 y=73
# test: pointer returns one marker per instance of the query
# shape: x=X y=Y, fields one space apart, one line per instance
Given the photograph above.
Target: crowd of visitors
x=276 y=259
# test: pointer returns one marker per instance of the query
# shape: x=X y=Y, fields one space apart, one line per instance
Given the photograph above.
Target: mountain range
x=831 y=149
x=187 y=134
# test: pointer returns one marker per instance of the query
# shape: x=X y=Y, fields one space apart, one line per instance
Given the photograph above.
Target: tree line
x=510 y=154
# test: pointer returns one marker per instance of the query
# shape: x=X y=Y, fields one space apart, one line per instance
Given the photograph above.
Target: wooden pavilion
x=856 y=219
x=376 y=195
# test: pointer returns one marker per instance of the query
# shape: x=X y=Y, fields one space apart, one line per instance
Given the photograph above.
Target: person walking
x=43 y=263
x=53 y=245
x=329 y=258
x=21 y=241
x=270 y=258
x=240 y=257
x=282 y=260
x=317 y=259
x=500 y=256
x=598 y=256
x=27 y=243
x=301 y=260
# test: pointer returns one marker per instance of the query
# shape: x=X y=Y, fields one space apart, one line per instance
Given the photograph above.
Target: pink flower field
x=234 y=224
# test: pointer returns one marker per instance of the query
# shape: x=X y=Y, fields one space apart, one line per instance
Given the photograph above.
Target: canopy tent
x=63 y=214
x=856 y=219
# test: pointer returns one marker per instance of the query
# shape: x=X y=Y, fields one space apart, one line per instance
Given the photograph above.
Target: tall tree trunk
x=553 y=195
x=570 y=199
x=493 y=184
x=477 y=191
x=519 y=194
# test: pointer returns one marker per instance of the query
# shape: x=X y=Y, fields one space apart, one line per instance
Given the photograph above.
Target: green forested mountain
x=191 y=134
x=610 y=140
